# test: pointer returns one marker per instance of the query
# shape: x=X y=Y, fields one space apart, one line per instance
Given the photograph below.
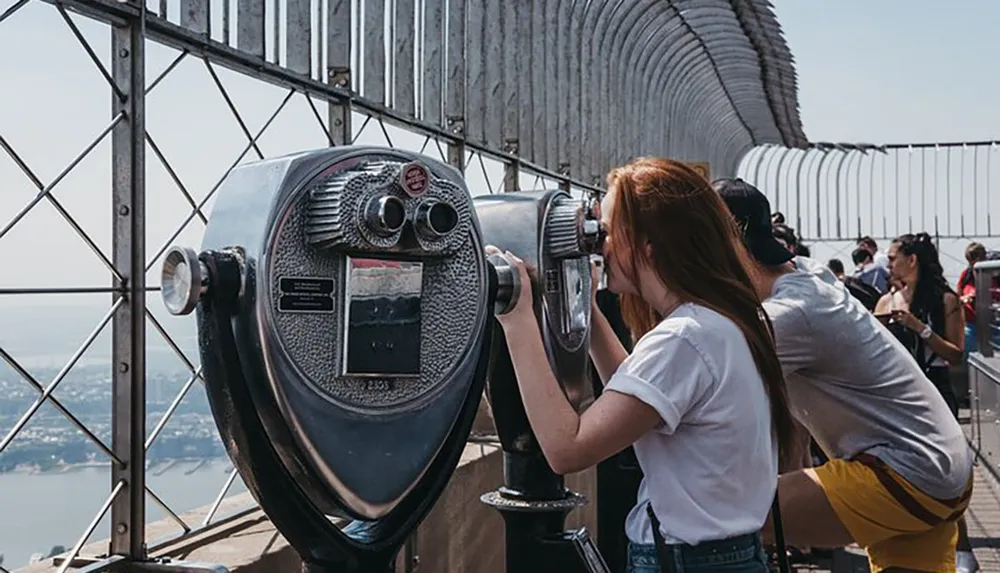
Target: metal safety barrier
x=832 y=194
x=517 y=95
x=984 y=367
x=835 y=191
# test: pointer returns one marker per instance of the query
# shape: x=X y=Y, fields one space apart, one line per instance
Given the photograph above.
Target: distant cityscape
x=49 y=441
x=45 y=339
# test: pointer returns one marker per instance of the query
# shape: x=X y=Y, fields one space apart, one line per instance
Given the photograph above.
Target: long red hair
x=695 y=249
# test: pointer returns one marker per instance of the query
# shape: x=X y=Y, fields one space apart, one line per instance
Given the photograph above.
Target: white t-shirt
x=711 y=467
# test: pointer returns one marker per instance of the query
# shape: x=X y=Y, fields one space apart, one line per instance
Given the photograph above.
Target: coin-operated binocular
x=555 y=235
x=344 y=306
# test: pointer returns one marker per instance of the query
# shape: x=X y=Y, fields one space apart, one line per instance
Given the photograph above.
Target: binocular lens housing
x=435 y=219
x=385 y=215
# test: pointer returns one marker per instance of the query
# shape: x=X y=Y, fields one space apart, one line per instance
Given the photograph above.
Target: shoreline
x=155 y=468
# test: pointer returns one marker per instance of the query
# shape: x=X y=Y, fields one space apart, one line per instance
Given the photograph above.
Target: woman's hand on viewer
x=523 y=307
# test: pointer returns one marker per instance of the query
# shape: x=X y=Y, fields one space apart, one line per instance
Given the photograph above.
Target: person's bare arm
x=801 y=456
x=569 y=441
x=606 y=350
x=950 y=347
x=884 y=304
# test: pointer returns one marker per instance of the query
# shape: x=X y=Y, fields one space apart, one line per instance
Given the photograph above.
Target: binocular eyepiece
x=385 y=216
x=435 y=219
x=402 y=209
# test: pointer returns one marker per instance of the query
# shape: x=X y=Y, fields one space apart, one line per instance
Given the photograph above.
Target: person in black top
x=925 y=314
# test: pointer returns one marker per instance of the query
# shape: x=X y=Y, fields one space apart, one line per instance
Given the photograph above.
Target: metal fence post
x=128 y=421
x=339 y=71
x=512 y=168
x=341 y=130
x=456 y=155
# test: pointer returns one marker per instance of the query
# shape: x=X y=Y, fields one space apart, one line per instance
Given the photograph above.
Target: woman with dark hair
x=925 y=314
x=701 y=397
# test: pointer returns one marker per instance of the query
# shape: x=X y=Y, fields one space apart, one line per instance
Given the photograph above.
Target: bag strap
x=665 y=557
x=779 y=536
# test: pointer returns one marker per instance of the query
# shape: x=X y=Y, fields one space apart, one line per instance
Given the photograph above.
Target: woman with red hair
x=701 y=397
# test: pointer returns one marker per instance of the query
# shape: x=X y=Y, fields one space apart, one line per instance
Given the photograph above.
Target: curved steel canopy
x=568 y=87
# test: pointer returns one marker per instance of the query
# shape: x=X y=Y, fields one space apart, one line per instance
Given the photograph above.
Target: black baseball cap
x=752 y=212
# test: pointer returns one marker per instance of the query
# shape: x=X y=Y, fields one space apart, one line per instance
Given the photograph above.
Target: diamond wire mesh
x=46 y=195
x=168 y=168
x=196 y=211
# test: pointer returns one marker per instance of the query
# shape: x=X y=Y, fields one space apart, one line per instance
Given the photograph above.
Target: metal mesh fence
x=834 y=193
x=120 y=120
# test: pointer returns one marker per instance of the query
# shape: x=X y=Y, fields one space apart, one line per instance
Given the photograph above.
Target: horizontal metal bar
x=984 y=368
x=883 y=147
x=161 y=542
x=941 y=144
x=848 y=239
x=112 y=563
x=985 y=266
x=70 y=290
x=117 y=562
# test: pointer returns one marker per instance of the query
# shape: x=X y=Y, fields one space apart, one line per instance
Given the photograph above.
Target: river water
x=39 y=511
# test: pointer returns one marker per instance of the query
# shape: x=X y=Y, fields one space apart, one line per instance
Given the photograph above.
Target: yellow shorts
x=897 y=524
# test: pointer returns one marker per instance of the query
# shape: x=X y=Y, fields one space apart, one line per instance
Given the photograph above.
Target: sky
x=875 y=70
x=895 y=71
x=902 y=71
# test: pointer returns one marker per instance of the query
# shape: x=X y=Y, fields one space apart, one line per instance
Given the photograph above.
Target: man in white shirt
x=900 y=470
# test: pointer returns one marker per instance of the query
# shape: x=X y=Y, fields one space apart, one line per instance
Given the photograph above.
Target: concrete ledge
x=460 y=533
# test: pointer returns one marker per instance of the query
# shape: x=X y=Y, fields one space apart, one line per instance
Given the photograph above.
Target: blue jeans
x=740 y=555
